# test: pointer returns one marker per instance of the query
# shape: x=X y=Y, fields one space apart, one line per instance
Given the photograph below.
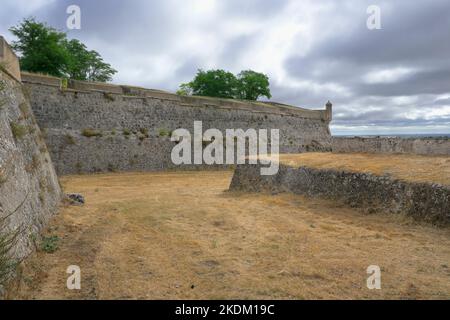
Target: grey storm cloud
x=443 y=102
x=393 y=79
x=429 y=81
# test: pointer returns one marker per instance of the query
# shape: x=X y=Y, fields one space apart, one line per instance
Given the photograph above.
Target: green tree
x=86 y=65
x=75 y=67
x=41 y=47
x=214 y=83
x=252 y=85
x=46 y=50
x=98 y=69
x=248 y=85
x=185 y=89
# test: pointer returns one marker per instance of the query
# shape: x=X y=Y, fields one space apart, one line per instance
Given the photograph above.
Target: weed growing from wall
x=143 y=134
x=144 y=131
x=91 y=133
x=18 y=130
x=8 y=240
x=109 y=96
x=3 y=101
x=64 y=83
x=164 y=133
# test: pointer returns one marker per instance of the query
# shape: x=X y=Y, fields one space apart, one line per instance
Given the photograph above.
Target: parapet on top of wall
x=41 y=79
x=132 y=91
x=8 y=60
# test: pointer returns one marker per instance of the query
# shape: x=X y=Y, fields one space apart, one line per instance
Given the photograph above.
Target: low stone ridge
x=423 y=201
x=29 y=189
x=95 y=128
x=424 y=146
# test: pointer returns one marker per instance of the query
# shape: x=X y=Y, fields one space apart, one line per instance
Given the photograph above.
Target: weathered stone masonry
x=29 y=188
x=423 y=146
x=132 y=125
x=371 y=193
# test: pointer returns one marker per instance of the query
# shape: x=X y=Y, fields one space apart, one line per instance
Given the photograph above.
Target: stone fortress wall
x=130 y=126
x=29 y=189
x=422 y=146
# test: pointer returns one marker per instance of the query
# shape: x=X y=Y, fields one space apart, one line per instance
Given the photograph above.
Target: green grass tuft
x=91 y=133
x=164 y=133
x=50 y=244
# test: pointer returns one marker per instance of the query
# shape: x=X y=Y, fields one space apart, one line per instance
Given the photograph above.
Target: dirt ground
x=401 y=166
x=181 y=235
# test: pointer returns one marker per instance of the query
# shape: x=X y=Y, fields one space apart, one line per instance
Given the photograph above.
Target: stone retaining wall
x=424 y=146
x=371 y=193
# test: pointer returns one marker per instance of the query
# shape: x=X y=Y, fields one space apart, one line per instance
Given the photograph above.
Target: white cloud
x=387 y=75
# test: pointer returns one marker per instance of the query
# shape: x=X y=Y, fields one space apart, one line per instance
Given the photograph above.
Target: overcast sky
x=392 y=80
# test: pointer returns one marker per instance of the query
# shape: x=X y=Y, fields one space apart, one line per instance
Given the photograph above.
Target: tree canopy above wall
x=44 y=49
x=247 y=85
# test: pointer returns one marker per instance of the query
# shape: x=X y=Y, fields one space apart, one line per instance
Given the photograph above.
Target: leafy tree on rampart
x=252 y=85
x=213 y=83
x=86 y=64
x=247 y=85
x=46 y=50
x=41 y=48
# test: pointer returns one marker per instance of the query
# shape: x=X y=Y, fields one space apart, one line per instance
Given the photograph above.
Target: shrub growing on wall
x=91 y=133
x=18 y=130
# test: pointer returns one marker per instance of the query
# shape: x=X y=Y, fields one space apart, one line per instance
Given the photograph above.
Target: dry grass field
x=435 y=169
x=181 y=235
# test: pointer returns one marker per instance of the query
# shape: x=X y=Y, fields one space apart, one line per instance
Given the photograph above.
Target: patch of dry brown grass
x=435 y=169
x=180 y=235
